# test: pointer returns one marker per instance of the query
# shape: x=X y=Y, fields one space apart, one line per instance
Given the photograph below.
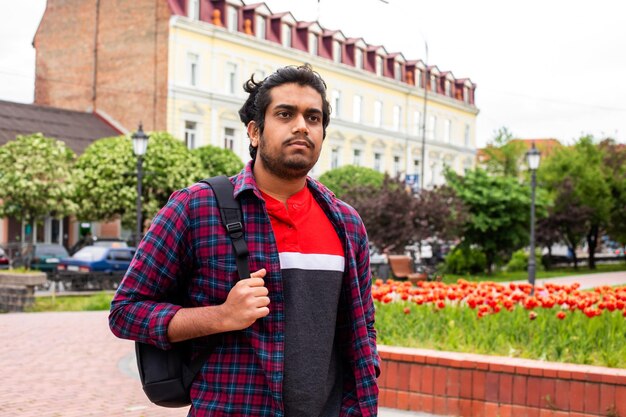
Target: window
x=416 y=166
x=396 y=165
x=231 y=77
x=313 y=43
x=337 y=52
x=379 y=65
x=194 y=9
x=378 y=164
x=432 y=127
x=378 y=113
x=397 y=71
x=287 y=36
x=233 y=22
x=358 y=58
x=397 y=114
x=417 y=123
x=260 y=27
x=448 y=88
x=467 y=136
x=334 y=158
x=433 y=83
x=356 y=109
x=190 y=134
x=192 y=66
x=229 y=138
x=356 y=157
x=336 y=102
x=447 y=131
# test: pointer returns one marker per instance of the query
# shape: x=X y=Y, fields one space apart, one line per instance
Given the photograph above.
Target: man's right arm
x=247 y=301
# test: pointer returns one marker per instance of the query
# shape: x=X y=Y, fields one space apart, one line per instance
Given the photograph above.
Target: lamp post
x=533 y=157
x=140 y=144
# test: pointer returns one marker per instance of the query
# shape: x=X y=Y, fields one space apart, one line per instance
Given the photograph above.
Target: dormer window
x=448 y=88
x=379 y=65
x=286 y=36
x=194 y=9
x=313 y=43
x=260 y=27
x=337 y=51
x=358 y=58
x=397 y=71
x=433 y=83
x=233 y=21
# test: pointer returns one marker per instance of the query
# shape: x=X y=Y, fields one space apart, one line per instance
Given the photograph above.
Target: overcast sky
x=544 y=68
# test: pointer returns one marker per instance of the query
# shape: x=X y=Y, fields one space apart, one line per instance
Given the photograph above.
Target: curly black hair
x=259 y=95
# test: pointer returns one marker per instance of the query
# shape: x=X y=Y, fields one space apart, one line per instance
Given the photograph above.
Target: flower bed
x=559 y=323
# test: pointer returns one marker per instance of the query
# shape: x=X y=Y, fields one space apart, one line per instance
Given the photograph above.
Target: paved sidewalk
x=70 y=365
x=588 y=281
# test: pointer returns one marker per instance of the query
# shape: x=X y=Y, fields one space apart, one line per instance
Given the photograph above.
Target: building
x=178 y=65
x=77 y=130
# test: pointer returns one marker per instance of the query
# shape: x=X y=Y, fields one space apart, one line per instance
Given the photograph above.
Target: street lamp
x=533 y=157
x=140 y=144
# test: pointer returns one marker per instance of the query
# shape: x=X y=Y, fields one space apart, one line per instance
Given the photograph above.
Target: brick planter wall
x=17 y=291
x=468 y=385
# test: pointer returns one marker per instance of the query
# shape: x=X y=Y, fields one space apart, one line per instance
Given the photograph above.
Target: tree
x=106 y=182
x=503 y=155
x=614 y=163
x=440 y=214
x=218 y=161
x=387 y=212
x=340 y=180
x=499 y=212
x=35 y=178
x=581 y=168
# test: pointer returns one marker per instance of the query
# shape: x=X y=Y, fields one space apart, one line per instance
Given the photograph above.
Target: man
x=297 y=338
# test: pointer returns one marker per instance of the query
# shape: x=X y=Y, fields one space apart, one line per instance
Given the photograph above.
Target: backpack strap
x=232 y=218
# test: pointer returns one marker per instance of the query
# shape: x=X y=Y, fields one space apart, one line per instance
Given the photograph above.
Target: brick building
x=178 y=65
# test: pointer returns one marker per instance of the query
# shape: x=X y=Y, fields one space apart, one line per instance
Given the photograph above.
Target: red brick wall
x=454 y=384
x=130 y=56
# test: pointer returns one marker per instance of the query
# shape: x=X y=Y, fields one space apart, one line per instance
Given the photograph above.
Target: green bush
x=464 y=260
x=519 y=261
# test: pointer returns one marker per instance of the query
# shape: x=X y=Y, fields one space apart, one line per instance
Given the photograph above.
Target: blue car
x=104 y=259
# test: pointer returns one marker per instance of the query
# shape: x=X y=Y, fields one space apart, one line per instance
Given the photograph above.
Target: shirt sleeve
x=139 y=311
x=365 y=282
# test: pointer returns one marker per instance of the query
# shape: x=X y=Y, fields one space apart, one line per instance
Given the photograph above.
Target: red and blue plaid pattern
x=187 y=247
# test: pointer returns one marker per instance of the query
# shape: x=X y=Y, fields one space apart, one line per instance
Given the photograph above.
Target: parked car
x=41 y=256
x=4 y=260
x=110 y=242
x=98 y=259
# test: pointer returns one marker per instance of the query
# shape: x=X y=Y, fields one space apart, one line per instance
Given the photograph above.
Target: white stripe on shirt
x=311 y=261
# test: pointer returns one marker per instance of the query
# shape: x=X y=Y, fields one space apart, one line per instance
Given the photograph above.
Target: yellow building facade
x=377 y=114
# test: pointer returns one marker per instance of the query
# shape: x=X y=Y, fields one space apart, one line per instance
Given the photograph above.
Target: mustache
x=305 y=138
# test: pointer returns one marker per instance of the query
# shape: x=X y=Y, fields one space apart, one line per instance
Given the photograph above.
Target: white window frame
x=335 y=157
x=286 y=35
x=261 y=27
x=397 y=71
x=193 y=64
x=194 y=9
x=466 y=138
x=356 y=157
x=190 y=133
x=397 y=115
x=447 y=130
x=357 y=109
x=358 y=58
x=378 y=113
x=379 y=65
x=417 y=123
x=313 y=43
x=433 y=83
x=230 y=140
x=432 y=128
x=448 y=88
x=337 y=52
x=231 y=78
x=416 y=166
x=397 y=164
x=378 y=161
x=336 y=102
x=233 y=18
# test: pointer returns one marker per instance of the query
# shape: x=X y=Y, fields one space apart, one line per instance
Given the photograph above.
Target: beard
x=285 y=166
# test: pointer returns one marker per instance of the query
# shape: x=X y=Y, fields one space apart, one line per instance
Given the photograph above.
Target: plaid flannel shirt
x=187 y=246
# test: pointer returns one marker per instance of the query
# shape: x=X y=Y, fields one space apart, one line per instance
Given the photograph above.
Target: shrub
x=519 y=261
x=464 y=260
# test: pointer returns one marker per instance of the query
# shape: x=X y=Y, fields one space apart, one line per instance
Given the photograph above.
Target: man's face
x=292 y=138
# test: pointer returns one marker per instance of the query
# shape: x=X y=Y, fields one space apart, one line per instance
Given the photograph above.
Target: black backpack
x=167 y=375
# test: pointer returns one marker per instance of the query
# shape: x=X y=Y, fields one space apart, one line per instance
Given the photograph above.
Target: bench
x=402 y=269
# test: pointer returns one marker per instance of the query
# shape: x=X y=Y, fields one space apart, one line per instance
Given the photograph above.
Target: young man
x=297 y=338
